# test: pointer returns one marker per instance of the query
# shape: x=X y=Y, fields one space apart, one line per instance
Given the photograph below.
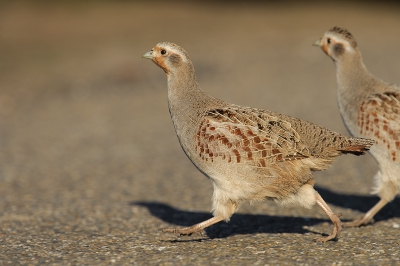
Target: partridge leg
x=194 y=228
x=333 y=216
x=367 y=218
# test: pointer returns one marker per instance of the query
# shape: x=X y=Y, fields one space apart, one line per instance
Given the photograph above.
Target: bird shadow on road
x=239 y=223
x=361 y=203
x=260 y=223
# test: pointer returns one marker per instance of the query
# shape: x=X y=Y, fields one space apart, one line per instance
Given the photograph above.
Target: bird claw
x=336 y=229
x=359 y=222
x=181 y=231
x=327 y=238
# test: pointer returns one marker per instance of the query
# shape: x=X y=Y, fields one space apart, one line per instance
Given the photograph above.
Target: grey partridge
x=248 y=154
x=370 y=108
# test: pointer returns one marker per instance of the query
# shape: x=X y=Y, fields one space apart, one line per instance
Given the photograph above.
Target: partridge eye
x=163 y=52
x=329 y=40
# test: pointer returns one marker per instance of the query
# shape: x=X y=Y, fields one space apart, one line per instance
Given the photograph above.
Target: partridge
x=370 y=108
x=247 y=153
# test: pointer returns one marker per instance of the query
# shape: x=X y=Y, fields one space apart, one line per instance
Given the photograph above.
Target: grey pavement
x=91 y=169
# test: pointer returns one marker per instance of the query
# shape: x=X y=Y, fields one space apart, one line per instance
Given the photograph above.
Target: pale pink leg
x=334 y=218
x=194 y=228
x=367 y=218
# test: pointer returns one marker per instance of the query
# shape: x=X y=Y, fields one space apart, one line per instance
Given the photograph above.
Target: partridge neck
x=354 y=84
x=352 y=75
x=185 y=98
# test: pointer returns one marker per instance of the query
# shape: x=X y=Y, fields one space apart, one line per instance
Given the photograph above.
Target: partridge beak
x=317 y=43
x=148 y=55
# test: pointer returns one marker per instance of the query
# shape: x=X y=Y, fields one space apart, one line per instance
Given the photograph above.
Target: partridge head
x=248 y=154
x=370 y=108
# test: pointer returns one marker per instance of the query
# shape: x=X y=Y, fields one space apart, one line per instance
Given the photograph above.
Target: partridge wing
x=247 y=136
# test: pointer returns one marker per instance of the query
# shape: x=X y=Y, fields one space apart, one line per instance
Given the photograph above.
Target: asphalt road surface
x=91 y=169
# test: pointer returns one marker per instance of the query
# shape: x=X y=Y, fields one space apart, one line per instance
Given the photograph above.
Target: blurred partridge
x=370 y=108
x=248 y=154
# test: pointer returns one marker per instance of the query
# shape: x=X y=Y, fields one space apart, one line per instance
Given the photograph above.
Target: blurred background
x=85 y=131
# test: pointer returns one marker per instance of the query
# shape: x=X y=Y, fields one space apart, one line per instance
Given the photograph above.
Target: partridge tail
x=356 y=146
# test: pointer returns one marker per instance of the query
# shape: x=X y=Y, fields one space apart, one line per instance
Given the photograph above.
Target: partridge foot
x=337 y=228
x=197 y=228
